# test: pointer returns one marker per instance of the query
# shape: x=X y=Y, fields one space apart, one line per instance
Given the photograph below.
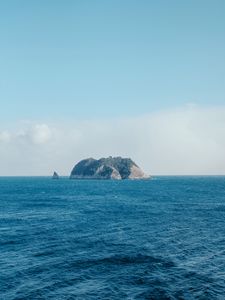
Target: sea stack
x=55 y=175
x=107 y=168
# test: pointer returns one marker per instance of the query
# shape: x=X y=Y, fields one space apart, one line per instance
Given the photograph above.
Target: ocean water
x=157 y=239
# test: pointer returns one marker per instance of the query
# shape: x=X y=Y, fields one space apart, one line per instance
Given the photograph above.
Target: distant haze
x=187 y=140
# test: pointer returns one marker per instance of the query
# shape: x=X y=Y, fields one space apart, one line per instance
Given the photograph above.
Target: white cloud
x=40 y=134
x=4 y=136
x=34 y=133
x=189 y=140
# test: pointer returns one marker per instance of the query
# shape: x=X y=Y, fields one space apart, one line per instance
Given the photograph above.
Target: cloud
x=34 y=133
x=187 y=140
x=40 y=134
x=4 y=136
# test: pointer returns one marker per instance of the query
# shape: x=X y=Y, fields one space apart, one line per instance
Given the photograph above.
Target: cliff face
x=107 y=168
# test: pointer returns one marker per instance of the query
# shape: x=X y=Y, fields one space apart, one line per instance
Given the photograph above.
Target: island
x=107 y=168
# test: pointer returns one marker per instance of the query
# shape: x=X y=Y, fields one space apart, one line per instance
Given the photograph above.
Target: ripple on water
x=159 y=239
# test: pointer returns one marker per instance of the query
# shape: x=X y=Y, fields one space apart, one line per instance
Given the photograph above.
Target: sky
x=144 y=79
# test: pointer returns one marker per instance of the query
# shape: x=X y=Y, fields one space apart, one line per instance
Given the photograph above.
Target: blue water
x=157 y=239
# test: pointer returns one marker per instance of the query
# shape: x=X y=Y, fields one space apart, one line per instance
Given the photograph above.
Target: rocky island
x=107 y=168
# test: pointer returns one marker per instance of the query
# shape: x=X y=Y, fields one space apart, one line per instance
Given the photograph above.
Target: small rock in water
x=55 y=175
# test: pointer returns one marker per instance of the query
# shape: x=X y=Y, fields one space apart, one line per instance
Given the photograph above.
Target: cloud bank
x=188 y=140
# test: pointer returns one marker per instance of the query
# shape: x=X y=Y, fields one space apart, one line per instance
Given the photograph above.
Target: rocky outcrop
x=107 y=168
x=55 y=175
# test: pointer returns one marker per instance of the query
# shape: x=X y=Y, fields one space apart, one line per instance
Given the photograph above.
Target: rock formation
x=55 y=175
x=107 y=168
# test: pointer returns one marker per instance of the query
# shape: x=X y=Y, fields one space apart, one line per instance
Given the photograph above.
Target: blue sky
x=142 y=79
x=99 y=59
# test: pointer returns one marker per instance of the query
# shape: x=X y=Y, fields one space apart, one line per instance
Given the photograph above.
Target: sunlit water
x=157 y=239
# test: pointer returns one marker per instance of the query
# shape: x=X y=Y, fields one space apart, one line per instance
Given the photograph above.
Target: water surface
x=157 y=239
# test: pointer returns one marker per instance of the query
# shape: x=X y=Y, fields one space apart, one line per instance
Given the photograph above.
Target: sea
x=162 y=238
